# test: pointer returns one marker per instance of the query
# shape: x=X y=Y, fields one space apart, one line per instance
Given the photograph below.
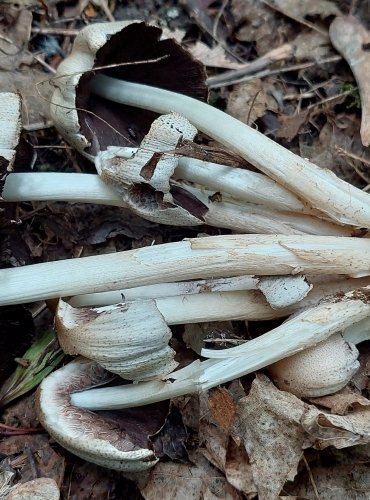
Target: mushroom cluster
x=304 y=265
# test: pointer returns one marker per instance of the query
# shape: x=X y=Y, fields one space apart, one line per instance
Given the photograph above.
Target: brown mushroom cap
x=164 y=63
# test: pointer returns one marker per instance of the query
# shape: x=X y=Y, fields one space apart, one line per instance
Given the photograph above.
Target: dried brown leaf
x=336 y=430
x=290 y=125
x=311 y=45
x=15 y=31
x=352 y=40
x=272 y=434
x=215 y=57
x=250 y=100
x=258 y=23
x=342 y=403
x=41 y=488
x=222 y=407
x=33 y=454
x=335 y=475
x=198 y=481
x=299 y=10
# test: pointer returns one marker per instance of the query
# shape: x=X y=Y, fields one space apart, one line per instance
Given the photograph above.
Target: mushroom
x=93 y=49
x=10 y=126
x=134 y=50
x=321 y=189
x=317 y=371
x=97 y=45
x=145 y=186
x=216 y=256
x=314 y=325
x=131 y=339
x=83 y=433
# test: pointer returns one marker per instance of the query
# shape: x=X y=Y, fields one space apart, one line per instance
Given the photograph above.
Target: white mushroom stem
x=250 y=218
x=304 y=330
x=59 y=186
x=195 y=258
x=131 y=338
x=358 y=332
x=162 y=290
x=318 y=187
x=323 y=286
x=238 y=299
x=243 y=185
x=230 y=213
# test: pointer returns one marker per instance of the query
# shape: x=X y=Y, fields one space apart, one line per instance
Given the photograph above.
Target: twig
x=218 y=17
x=55 y=31
x=216 y=82
x=300 y=20
x=331 y=98
x=312 y=481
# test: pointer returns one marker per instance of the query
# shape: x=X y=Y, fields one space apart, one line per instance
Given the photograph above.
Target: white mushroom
x=83 y=433
x=314 y=326
x=131 y=339
x=320 y=188
x=317 y=371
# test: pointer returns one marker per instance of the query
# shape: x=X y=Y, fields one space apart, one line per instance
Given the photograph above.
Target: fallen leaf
x=352 y=40
x=41 y=488
x=361 y=380
x=32 y=454
x=336 y=430
x=15 y=32
x=215 y=57
x=86 y=481
x=336 y=475
x=171 y=439
x=256 y=22
x=250 y=100
x=342 y=403
x=238 y=470
x=222 y=407
x=311 y=45
x=299 y=10
x=290 y=125
x=272 y=434
x=198 y=480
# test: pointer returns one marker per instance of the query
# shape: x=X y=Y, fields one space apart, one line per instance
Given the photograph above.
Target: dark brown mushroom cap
x=120 y=444
x=171 y=68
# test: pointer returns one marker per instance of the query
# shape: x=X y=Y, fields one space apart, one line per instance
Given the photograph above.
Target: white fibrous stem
x=59 y=186
x=251 y=218
x=195 y=258
x=358 y=332
x=229 y=213
x=240 y=184
x=223 y=299
x=303 y=330
x=162 y=290
x=320 y=188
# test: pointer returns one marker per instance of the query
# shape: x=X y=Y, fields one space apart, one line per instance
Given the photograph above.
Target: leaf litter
x=247 y=439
